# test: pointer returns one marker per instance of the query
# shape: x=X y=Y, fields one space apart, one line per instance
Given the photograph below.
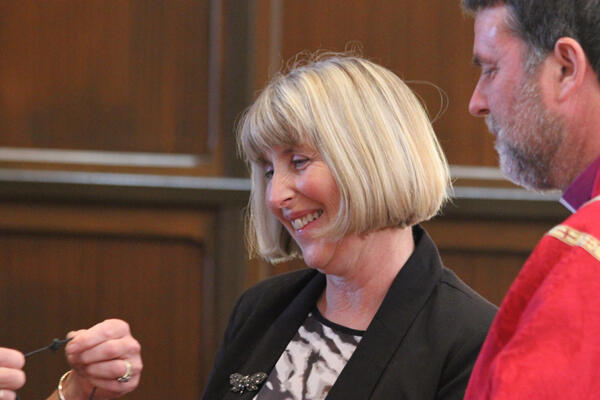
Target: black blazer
x=421 y=344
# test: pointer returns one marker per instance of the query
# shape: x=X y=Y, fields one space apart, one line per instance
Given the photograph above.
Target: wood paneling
x=490 y=273
x=124 y=77
x=428 y=40
x=487 y=253
x=105 y=75
x=68 y=267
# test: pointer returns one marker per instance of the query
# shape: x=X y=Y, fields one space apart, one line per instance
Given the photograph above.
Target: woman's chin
x=319 y=256
x=311 y=259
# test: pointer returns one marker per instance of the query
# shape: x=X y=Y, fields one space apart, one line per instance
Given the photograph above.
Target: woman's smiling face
x=302 y=193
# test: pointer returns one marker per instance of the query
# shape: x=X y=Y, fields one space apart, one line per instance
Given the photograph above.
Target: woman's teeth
x=301 y=222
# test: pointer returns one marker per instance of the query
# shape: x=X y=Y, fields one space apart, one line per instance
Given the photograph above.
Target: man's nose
x=478 y=106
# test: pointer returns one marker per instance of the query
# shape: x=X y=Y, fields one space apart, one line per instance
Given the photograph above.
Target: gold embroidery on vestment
x=573 y=237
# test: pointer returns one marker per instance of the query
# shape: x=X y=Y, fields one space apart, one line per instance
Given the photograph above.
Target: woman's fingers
x=12 y=376
x=107 y=357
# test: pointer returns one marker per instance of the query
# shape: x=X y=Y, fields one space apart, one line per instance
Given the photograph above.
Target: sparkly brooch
x=240 y=383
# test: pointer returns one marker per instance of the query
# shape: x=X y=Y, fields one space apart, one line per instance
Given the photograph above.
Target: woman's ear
x=571 y=65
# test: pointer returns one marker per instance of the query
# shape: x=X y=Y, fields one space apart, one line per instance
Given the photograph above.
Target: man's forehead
x=491 y=32
x=495 y=14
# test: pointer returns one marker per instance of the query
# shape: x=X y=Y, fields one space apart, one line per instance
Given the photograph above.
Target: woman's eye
x=300 y=163
x=268 y=173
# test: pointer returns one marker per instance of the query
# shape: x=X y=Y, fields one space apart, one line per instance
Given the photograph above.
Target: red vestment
x=545 y=340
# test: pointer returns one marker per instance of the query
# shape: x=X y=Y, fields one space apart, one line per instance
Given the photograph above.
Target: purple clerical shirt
x=580 y=191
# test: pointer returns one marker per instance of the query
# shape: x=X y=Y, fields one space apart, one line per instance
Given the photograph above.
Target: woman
x=105 y=360
x=344 y=165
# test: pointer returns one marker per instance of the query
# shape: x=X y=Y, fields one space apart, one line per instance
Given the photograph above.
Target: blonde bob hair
x=371 y=131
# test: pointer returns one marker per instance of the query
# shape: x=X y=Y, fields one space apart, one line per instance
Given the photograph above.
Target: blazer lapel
x=279 y=334
x=408 y=293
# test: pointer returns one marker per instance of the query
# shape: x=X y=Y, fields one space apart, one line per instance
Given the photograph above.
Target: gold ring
x=127 y=376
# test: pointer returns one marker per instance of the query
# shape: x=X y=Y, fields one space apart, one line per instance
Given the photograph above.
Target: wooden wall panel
x=489 y=273
x=487 y=253
x=97 y=75
x=428 y=40
x=94 y=265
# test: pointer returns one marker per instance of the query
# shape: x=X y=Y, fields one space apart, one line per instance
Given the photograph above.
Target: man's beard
x=528 y=139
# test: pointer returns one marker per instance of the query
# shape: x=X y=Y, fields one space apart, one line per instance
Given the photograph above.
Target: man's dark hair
x=540 y=23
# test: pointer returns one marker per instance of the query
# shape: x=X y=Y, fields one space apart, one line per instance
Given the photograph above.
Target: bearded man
x=539 y=91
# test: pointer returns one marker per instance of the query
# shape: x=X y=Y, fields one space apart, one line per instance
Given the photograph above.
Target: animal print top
x=312 y=361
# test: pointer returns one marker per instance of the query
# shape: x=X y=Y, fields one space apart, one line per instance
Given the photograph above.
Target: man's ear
x=571 y=65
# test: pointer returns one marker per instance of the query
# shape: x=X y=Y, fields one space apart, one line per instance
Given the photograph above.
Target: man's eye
x=488 y=71
x=268 y=174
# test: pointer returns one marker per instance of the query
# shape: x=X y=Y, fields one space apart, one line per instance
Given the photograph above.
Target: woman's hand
x=12 y=376
x=106 y=357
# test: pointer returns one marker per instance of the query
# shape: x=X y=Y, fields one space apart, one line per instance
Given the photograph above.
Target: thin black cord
x=54 y=346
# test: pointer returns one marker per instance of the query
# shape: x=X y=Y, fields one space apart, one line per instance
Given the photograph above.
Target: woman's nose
x=280 y=191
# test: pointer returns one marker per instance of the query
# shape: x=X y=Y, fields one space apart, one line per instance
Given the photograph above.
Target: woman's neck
x=351 y=299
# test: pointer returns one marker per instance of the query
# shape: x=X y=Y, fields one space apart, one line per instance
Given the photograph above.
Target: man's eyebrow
x=476 y=61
